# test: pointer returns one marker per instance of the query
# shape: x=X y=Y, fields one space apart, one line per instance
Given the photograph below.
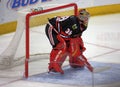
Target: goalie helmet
x=83 y=15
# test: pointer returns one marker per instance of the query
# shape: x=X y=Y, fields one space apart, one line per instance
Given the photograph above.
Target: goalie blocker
x=64 y=34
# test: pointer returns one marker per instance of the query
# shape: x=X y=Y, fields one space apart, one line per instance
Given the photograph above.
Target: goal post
x=75 y=9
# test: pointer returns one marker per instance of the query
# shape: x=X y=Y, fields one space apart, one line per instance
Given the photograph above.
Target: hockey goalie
x=64 y=34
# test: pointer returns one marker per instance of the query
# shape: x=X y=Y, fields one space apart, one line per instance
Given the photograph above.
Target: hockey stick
x=93 y=82
x=101 y=69
x=98 y=70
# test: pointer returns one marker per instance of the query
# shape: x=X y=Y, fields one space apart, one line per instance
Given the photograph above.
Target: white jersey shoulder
x=62 y=18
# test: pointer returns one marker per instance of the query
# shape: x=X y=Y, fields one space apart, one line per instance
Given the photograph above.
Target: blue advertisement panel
x=9 y=8
x=22 y=3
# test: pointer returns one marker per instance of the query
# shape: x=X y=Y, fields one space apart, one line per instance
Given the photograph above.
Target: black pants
x=52 y=35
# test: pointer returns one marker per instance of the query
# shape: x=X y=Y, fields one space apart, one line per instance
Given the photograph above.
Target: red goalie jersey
x=64 y=34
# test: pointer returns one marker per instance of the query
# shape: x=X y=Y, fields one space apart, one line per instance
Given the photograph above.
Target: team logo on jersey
x=74 y=27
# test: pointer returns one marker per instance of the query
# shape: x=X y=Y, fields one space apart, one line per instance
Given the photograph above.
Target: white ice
x=102 y=40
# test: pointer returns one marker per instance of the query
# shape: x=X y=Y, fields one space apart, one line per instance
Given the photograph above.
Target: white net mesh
x=7 y=57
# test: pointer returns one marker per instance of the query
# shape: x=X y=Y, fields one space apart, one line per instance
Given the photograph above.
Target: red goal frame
x=28 y=32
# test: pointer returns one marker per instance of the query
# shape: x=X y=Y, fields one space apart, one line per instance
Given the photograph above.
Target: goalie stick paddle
x=98 y=70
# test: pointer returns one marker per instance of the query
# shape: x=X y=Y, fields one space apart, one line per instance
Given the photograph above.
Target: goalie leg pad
x=77 y=59
x=56 y=60
x=75 y=51
x=57 y=57
x=76 y=46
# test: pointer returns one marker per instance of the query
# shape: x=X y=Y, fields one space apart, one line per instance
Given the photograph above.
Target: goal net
x=29 y=40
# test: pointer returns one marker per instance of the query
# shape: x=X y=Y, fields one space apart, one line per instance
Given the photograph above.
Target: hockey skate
x=55 y=68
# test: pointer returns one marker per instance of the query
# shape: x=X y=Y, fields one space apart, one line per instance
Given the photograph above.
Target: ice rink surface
x=102 y=40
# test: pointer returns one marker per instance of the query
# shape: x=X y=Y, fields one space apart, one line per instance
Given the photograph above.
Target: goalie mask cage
x=27 y=20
